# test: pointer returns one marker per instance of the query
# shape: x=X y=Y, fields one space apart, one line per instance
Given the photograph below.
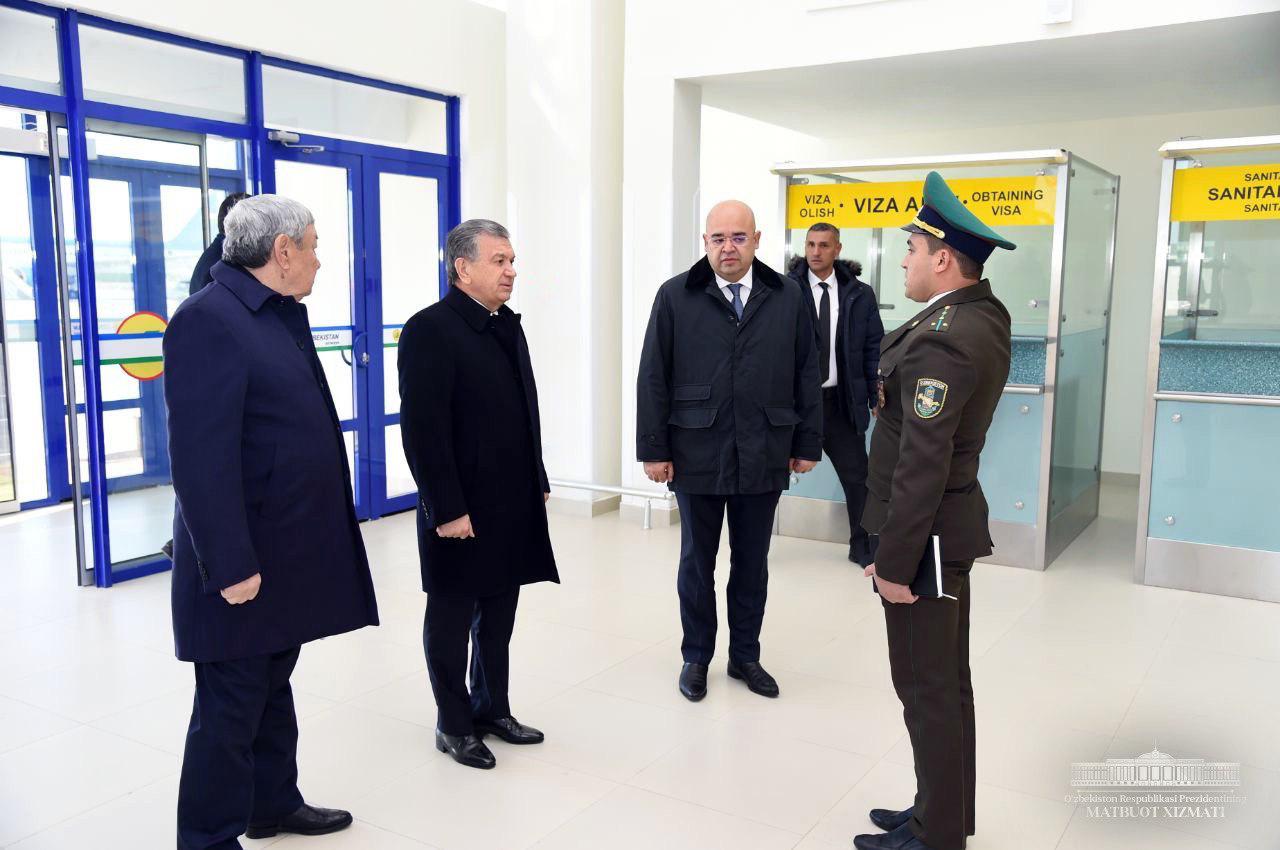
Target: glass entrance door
x=150 y=217
x=329 y=185
x=381 y=230
x=405 y=234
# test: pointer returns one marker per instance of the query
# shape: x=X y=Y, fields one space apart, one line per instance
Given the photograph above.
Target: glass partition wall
x=117 y=146
x=1207 y=499
x=1040 y=469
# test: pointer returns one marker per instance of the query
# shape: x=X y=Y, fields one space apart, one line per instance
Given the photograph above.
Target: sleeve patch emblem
x=931 y=394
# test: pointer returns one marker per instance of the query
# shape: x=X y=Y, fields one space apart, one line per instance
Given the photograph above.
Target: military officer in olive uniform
x=941 y=375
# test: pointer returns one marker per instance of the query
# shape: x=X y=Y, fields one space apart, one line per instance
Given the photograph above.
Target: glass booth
x=1041 y=466
x=1207 y=503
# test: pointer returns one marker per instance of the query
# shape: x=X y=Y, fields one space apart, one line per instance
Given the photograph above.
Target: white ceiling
x=1223 y=64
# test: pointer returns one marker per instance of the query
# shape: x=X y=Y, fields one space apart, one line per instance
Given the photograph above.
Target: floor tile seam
x=350 y=700
x=83 y=812
x=1196 y=715
x=834 y=681
x=1013 y=623
x=32 y=705
x=757 y=822
x=614 y=785
x=606 y=633
x=1270 y=659
x=874 y=764
x=416 y=841
x=386 y=781
x=614 y=665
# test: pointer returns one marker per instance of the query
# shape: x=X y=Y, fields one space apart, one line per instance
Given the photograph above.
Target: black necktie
x=824 y=332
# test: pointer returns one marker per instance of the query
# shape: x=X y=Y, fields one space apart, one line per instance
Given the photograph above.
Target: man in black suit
x=847 y=323
x=469 y=419
x=727 y=408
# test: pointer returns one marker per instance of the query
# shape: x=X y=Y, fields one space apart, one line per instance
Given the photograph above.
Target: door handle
x=362 y=357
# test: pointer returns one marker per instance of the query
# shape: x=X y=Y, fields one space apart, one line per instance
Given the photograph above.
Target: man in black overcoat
x=469 y=419
x=267 y=554
x=728 y=406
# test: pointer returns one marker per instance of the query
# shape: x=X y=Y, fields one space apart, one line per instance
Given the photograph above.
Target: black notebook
x=928 y=581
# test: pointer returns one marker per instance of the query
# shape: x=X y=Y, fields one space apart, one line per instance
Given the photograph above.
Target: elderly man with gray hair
x=267 y=554
x=469 y=419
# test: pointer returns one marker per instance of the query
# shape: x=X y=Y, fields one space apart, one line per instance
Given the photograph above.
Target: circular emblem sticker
x=142 y=333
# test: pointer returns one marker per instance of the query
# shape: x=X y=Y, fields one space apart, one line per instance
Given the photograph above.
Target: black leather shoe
x=889 y=819
x=510 y=730
x=901 y=838
x=693 y=681
x=757 y=678
x=307 y=820
x=466 y=750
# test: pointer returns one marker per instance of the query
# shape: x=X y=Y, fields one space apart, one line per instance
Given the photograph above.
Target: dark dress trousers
x=846 y=407
x=262 y=487
x=469 y=420
x=202 y=274
x=729 y=402
x=942 y=375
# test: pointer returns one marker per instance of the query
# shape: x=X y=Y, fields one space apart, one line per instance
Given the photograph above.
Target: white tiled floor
x=1073 y=664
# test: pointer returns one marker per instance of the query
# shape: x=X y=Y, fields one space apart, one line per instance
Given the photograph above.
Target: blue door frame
x=357 y=425
x=74 y=110
x=382 y=352
x=363 y=167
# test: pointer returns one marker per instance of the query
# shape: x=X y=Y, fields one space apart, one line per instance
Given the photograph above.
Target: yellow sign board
x=995 y=200
x=1226 y=193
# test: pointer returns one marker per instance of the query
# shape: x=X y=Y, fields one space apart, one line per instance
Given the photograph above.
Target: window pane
x=314 y=104
x=117 y=146
x=132 y=71
x=29 y=51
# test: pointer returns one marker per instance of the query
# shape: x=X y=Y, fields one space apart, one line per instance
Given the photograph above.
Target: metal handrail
x=1221 y=398
x=648 y=495
x=1024 y=389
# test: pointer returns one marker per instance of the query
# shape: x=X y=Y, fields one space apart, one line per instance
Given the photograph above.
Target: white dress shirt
x=929 y=303
x=834 y=297
x=728 y=293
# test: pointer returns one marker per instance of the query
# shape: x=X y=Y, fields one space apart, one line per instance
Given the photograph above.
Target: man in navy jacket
x=267 y=554
x=846 y=320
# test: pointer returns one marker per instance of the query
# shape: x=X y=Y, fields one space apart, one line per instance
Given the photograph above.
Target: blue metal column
x=48 y=333
x=73 y=83
x=264 y=175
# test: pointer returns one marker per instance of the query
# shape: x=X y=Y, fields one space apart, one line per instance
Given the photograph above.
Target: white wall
x=1124 y=147
x=708 y=37
x=448 y=46
x=564 y=85
x=733 y=36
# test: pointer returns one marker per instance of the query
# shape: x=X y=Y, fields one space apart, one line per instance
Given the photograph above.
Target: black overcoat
x=729 y=402
x=942 y=375
x=260 y=477
x=469 y=421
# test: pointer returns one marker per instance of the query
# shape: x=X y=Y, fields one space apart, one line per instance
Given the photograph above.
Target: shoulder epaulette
x=942 y=323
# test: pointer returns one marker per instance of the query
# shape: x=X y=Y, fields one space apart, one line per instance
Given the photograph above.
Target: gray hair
x=461 y=241
x=253 y=225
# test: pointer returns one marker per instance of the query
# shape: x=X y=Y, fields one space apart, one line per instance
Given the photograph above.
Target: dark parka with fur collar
x=729 y=402
x=858 y=336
